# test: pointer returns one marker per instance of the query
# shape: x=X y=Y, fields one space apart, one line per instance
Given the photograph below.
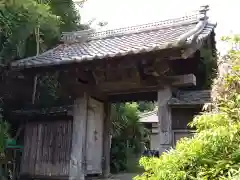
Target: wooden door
x=94 y=141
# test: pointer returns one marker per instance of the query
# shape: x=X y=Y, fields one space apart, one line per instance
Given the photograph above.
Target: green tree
x=20 y=18
x=214 y=152
x=4 y=134
x=146 y=106
x=128 y=136
x=26 y=27
x=18 y=21
x=32 y=26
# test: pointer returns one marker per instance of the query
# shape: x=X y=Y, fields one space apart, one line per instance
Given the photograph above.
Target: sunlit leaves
x=214 y=151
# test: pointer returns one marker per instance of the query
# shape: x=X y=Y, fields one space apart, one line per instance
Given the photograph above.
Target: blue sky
x=121 y=13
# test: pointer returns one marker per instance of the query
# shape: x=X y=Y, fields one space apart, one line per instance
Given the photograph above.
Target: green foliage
x=4 y=135
x=18 y=20
x=146 y=106
x=214 y=151
x=48 y=90
x=19 y=24
x=128 y=136
x=4 y=127
x=68 y=13
x=208 y=67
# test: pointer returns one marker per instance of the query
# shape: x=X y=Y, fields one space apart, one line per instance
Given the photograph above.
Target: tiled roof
x=88 y=45
x=191 y=98
x=149 y=117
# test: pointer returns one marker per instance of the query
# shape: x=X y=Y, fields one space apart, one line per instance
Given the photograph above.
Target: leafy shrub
x=128 y=136
x=214 y=151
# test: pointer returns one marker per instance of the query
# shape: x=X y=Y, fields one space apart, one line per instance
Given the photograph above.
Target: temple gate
x=146 y=62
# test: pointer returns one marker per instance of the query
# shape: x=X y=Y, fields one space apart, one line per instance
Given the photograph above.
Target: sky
x=122 y=13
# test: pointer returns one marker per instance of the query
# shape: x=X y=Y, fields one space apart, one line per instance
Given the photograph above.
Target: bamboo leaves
x=18 y=19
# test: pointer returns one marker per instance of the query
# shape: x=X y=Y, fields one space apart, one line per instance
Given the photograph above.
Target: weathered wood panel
x=78 y=151
x=69 y=149
x=46 y=148
x=94 y=137
x=182 y=116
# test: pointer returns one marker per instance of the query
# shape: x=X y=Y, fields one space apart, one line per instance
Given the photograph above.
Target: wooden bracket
x=184 y=80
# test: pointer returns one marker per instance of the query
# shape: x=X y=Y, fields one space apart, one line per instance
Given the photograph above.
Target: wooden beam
x=140 y=96
x=101 y=91
x=125 y=87
x=77 y=86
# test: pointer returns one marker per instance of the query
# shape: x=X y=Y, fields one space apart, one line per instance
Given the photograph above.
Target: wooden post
x=165 y=119
x=77 y=162
x=106 y=140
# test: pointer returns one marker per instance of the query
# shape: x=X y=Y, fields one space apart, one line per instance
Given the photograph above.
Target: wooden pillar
x=106 y=139
x=77 y=162
x=165 y=119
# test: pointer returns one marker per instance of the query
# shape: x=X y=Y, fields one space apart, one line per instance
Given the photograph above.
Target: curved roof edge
x=89 y=45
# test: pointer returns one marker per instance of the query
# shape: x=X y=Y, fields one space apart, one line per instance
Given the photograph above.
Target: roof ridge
x=93 y=35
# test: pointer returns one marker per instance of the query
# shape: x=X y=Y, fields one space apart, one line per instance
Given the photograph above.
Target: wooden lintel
x=93 y=91
x=130 y=87
x=140 y=96
x=185 y=80
x=101 y=91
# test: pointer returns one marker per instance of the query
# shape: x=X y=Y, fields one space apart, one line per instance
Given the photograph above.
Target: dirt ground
x=122 y=176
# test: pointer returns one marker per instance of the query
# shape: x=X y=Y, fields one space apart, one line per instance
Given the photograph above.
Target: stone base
x=164 y=148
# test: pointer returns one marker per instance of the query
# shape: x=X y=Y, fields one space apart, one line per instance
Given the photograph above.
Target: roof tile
x=89 y=45
x=191 y=98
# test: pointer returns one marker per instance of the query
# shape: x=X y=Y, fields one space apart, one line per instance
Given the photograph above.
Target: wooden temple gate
x=146 y=62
